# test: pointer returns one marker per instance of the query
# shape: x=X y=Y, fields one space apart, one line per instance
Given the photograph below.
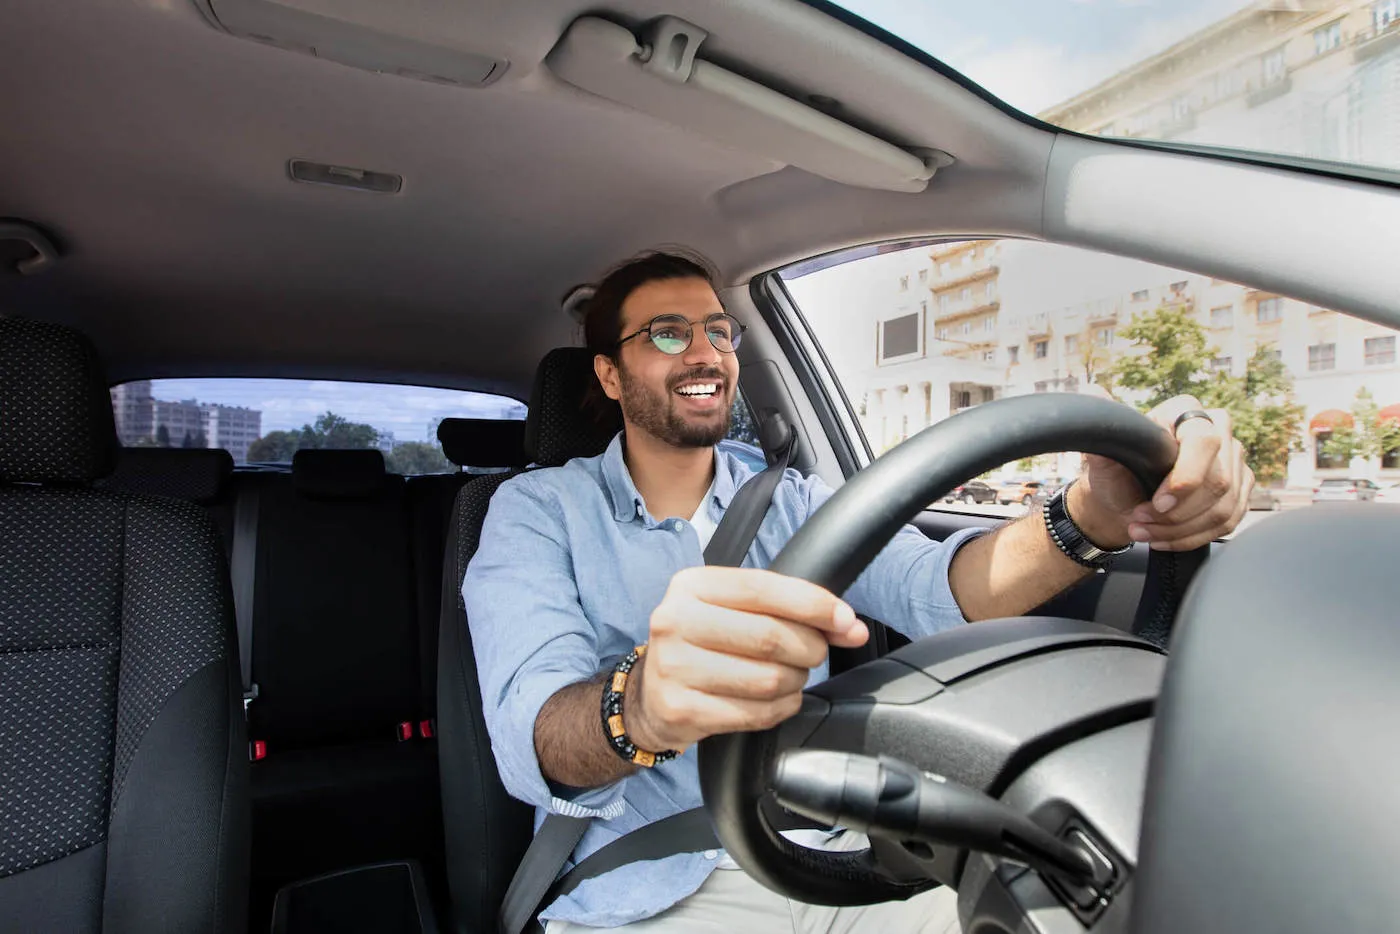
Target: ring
x=1187 y=416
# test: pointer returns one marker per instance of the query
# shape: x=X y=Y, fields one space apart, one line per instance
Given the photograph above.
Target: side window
x=742 y=439
x=1315 y=393
x=268 y=420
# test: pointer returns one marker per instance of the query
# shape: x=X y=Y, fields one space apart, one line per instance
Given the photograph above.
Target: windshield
x=1318 y=79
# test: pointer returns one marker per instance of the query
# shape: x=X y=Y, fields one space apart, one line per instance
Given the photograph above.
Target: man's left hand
x=1203 y=498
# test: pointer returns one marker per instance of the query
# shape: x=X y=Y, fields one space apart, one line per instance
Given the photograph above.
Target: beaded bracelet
x=616 y=733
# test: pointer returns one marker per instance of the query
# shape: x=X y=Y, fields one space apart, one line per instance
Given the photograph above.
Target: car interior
x=406 y=194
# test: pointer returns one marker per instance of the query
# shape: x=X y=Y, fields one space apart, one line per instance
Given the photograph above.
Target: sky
x=1037 y=53
x=287 y=404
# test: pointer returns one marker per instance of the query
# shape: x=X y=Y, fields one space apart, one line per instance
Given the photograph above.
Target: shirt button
x=676 y=525
x=712 y=854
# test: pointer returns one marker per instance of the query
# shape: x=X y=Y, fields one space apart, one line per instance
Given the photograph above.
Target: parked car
x=1262 y=497
x=1019 y=491
x=973 y=491
x=1389 y=494
x=1349 y=490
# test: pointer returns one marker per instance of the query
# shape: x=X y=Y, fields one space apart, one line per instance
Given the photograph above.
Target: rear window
x=1336 y=482
x=265 y=421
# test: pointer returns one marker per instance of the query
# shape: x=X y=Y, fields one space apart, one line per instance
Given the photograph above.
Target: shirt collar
x=627 y=502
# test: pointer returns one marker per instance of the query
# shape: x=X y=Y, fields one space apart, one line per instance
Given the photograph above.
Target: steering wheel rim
x=836 y=544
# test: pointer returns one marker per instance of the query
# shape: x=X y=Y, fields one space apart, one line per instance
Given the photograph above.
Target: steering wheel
x=833 y=547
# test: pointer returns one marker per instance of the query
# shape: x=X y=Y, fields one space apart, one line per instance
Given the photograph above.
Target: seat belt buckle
x=249 y=696
x=405 y=731
x=257 y=750
x=427 y=729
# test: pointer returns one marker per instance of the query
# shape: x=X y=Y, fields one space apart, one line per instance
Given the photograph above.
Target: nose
x=700 y=352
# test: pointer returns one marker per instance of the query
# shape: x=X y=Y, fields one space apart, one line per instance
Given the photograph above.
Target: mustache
x=711 y=373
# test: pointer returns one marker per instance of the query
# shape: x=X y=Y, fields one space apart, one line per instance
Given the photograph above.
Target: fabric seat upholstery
x=487 y=831
x=123 y=757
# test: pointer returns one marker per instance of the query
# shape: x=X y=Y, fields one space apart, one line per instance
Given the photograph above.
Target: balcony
x=957 y=312
x=958 y=281
x=1367 y=45
x=1108 y=316
x=1178 y=124
x=1271 y=91
x=1038 y=327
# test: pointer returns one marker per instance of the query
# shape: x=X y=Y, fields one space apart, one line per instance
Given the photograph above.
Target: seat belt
x=242 y=570
x=535 y=884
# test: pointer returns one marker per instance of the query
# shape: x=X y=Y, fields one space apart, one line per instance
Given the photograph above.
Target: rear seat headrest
x=483 y=442
x=558 y=428
x=335 y=474
x=56 y=422
x=198 y=475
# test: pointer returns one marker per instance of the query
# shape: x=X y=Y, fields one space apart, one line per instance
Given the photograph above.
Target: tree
x=1093 y=359
x=275 y=447
x=1267 y=420
x=1369 y=436
x=416 y=457
x=163 y=436
x=197 y=440
x=1175 y=360
x=742 y=426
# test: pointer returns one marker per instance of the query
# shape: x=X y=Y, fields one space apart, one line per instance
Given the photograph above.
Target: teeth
x=705 y=389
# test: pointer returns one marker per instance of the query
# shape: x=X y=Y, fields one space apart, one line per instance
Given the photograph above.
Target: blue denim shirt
x=569 y=568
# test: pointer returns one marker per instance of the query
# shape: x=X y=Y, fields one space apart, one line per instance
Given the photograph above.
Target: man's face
x=664 y=395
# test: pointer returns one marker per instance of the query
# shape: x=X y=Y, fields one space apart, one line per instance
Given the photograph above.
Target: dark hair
x=602 y=315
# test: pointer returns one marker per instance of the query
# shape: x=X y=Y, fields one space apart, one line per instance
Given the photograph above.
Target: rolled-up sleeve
x=906 y=586
x=531 y=638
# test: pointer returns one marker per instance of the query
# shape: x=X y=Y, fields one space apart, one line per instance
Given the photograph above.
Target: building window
x=1390 y=460
x=1140 y=296
x=1105 y=336
x=1013 y=354
x=1270 y=309
x=989 y=323
x=1327 y=38
x=1322 y=357
x=991 y=289
x=1042 y=386
x=1380 y=350
x=1326 y=461
x=1221 y=364
x=1274 y=355
x=1180 y=286
x=941 y=334
x=1181 y=107
x=1042 y=349
x=1072 y=343
x=989 y=356
x=965 y=295
x=904 y=283
x=1222 y=317
x=1384 y=12
x=967 y=327
x=923 y=275
x=1275 y=69
x=964 y=399
x=943 y=304
x=899 y=337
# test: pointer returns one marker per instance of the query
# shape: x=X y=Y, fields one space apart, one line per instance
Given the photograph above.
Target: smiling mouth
x=698 y=390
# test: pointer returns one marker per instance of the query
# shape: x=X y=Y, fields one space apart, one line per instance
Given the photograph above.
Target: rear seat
x=347 y=585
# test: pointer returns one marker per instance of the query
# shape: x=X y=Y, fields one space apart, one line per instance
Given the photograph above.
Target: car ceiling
x=153 y=148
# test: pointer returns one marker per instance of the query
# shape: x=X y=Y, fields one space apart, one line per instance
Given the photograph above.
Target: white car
x=1389 y=494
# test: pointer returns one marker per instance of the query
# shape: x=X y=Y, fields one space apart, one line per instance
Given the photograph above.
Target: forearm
x=1019 y=567
x=569 y=741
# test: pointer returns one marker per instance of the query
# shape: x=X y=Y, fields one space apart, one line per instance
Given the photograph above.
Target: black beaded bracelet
x=613 y=692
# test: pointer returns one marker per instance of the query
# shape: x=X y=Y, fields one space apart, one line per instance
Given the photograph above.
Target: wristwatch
x=1071 y=539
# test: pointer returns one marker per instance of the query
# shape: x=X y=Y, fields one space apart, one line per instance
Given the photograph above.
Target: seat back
x=123 y=758
x=487 y=831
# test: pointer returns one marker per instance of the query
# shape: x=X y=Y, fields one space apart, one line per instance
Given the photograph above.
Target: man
x=581 y=564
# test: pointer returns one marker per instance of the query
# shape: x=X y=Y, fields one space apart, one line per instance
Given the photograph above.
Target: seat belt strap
x=242 y=570
x=534 y=884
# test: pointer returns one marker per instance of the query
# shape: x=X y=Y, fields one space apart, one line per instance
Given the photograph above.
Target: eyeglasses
x=671 y=334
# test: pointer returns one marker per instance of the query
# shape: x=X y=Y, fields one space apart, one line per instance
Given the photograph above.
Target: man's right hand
x=730 y=650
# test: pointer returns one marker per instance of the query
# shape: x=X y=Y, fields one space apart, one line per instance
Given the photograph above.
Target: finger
x=1222 y=519
x=765 y=592
x=1199 y=476
x=696 y=715
x=722 y=674
x=753 y=635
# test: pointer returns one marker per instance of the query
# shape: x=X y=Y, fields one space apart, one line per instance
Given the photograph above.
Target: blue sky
x=287 y=404
x=1036 y=53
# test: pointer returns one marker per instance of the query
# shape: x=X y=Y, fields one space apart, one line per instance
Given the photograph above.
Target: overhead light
x=342 y=176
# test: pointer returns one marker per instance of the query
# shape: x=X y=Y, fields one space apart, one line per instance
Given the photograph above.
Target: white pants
x=730 y=902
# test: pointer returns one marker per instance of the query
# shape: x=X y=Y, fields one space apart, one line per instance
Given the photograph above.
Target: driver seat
x=123 y=760
x=486 y=830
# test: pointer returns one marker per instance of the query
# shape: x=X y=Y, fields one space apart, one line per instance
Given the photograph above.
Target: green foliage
x=163 y=436
x=416 y=457
x=1367 y=437
x=329 y=431
x=742 y=425
x=1267 y=420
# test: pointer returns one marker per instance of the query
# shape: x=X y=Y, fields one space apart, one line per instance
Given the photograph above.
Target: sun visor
x=663 y=76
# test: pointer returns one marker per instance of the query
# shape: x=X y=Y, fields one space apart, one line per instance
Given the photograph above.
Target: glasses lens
x=670 y=334
x=724 y=333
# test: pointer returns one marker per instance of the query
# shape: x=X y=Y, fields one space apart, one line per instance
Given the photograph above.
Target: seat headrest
x=56 y=422
x=483 y=442
x=197 y=475
x=558 y=428
x=357 y=474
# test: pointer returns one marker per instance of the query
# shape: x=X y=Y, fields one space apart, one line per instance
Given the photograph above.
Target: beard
x=655 y=412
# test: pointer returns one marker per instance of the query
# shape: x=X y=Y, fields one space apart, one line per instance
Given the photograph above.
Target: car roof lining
x=153 y=148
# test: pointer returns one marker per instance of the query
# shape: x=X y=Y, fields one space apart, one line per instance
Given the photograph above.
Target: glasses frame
x=690 y=332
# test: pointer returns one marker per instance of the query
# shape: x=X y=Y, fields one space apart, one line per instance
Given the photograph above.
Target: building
x=143 y=420
x=134 y=411
x=233 y=428
x=384 y=441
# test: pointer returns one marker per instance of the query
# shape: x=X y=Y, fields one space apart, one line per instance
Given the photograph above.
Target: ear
x=606 y=371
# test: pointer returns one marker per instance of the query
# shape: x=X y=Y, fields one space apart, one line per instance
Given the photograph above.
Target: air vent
x=341 y=176
x=281 y=24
